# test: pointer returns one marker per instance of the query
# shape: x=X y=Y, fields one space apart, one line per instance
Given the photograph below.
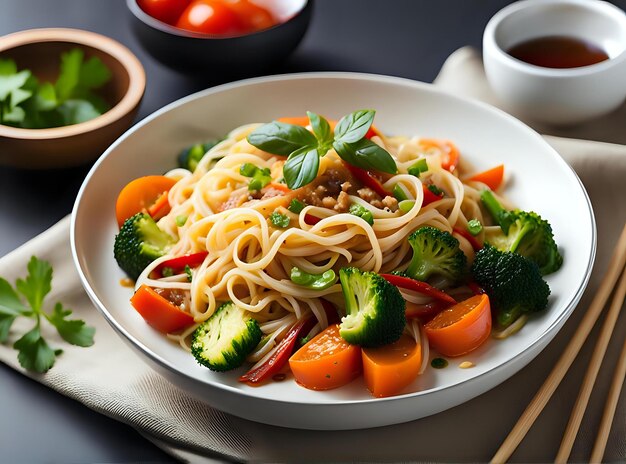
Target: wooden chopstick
x=592 y=372
x=532 y=411
x=609 y=409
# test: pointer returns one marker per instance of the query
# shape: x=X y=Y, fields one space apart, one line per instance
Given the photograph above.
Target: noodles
x=249 y=258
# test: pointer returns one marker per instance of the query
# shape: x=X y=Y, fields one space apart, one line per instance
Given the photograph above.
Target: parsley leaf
x=37 y=284
x=279 y=220
x=24 y=102
x=73 y=331
x=33 y=352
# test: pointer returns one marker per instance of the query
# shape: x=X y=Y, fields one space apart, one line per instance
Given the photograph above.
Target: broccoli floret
x=139 y=242
x=223 y=341
x=435 y=252
x=512 y=281
x=374 y=309
x=191 y=156
x=522 y=232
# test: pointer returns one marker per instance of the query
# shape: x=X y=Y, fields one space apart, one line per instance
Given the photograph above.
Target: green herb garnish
x=188 y=272
x=362 y=212
x=34 y=354
x=436 y=190
x=279 y=220
x=29 y=104
x=313 y=281
x=167 y=272
x=474 y=226
x=399 y=193
x=296 y=206
x=304 y=149
x=418 y=167
x=260 y=177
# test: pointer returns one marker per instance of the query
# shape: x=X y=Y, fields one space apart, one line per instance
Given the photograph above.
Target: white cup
x=557 y=96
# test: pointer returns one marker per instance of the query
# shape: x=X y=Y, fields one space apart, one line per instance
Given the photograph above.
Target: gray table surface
x=406 y=38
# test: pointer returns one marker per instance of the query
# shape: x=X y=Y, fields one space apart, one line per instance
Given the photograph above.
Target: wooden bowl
x=39 y=50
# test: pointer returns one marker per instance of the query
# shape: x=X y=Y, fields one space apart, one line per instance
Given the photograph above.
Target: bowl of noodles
x=323 y=200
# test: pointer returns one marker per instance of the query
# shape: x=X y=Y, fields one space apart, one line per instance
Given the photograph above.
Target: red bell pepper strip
x=178 y=264
x=425 y=311
x=281 y=356
x=368 y=179
x=159 y=312
x=311 y=220
x=287 y=346
x=475 y=288
x=469 y=237
x=418 y=286
x=429 y=196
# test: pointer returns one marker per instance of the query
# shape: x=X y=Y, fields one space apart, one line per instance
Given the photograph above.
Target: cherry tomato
x=167 y=11
x=209 y=17
x=252 y=17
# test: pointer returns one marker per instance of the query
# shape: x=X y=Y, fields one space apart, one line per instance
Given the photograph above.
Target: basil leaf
x=282 y=139
x=301 y=167
x=366 y=154
x=321 y=129
x=353 y=127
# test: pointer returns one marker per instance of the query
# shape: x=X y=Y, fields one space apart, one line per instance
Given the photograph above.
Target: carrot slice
x=450 y=151
x=390 y=368
x=492 y=178
x=159 y=312
x=326 y=362
x=461 y=328
x=140 y=194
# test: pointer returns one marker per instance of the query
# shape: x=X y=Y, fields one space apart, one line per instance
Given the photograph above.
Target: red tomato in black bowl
x=167 y=11
x=210 y=17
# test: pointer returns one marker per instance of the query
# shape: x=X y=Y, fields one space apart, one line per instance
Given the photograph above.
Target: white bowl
x=557 y=96
x=539 y=180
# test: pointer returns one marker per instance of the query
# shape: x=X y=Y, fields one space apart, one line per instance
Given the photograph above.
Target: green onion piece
x=418 y=167
x=399 y=193
x=180 y=220
x=362 y=212
x=248 y=169
x=474 y=226
x=436 y=190
x=406 y=206
x=313 y=281
x=296 y=206
x=279 y=220
x=188 y=272
x=260 y=179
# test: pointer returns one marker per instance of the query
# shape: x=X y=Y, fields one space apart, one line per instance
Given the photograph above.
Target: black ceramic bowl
x=229 y=55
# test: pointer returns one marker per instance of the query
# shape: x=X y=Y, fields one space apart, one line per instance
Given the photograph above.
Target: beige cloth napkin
x=112 y=380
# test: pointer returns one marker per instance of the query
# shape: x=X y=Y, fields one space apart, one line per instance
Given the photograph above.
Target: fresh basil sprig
x=304 y=149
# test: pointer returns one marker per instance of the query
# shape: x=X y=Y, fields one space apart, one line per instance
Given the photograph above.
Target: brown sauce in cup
x=558 y=52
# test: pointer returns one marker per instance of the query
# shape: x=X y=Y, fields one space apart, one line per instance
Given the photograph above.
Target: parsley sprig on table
x=304 y=149
x=27 y=103
x=34 y=353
